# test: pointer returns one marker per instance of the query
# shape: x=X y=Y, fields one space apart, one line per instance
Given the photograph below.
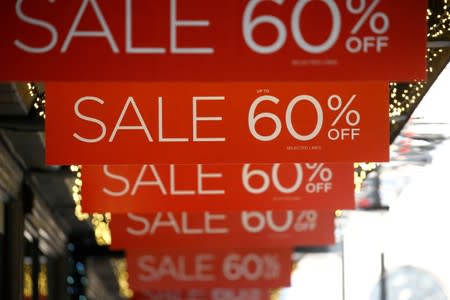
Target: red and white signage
x=261 y=229
x=153 y=188
x=199 y=40
x=270 y=268
x=200 y=294
x=186 y=123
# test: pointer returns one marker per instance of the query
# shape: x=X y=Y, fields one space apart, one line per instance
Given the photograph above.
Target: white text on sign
x=254 y=181
x=209 y=268
x=377 y=21
x=216 y=122
x=218 y=224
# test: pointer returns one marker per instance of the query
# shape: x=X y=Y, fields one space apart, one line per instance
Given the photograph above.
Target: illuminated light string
x=101 y=228
x=359 y=175
x=403 y=98
x=440 y=22
x=76 y=194
x=121 y=273
x=100 y=222
x=38 y=98
x=28 y=281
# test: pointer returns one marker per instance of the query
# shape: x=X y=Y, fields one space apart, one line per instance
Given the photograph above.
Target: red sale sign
x=185 y=123
x=199 y=40
x=201 y=294
x=209 y=269
x=153 y=188
x=168 y=230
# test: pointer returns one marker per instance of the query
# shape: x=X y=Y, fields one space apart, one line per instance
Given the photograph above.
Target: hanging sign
x=201 y=294
x=209 y=269
x=153 y=188
x=198 y=40
x=166 y=230
x=186 y=123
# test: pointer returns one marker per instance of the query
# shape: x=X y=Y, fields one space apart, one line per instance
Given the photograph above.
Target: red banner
x=209 y=269
x=213 y=294
x=186 y=123
x=153 y=188
x=198 y=40
x=206 y=230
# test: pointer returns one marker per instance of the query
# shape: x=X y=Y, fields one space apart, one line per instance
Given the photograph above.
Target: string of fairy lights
x=121 y=273
x=403 y=98
x=100 y=221
x=38 y=98
x=28 y=280
x=439 y=23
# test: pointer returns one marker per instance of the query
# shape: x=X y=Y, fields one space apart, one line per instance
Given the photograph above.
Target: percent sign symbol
x=325 y=174
x=272 y=266
x=368 y=13
x=343 y=110
x=306 y=221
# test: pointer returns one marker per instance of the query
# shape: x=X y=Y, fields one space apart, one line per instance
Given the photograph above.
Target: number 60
x=249 y=24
